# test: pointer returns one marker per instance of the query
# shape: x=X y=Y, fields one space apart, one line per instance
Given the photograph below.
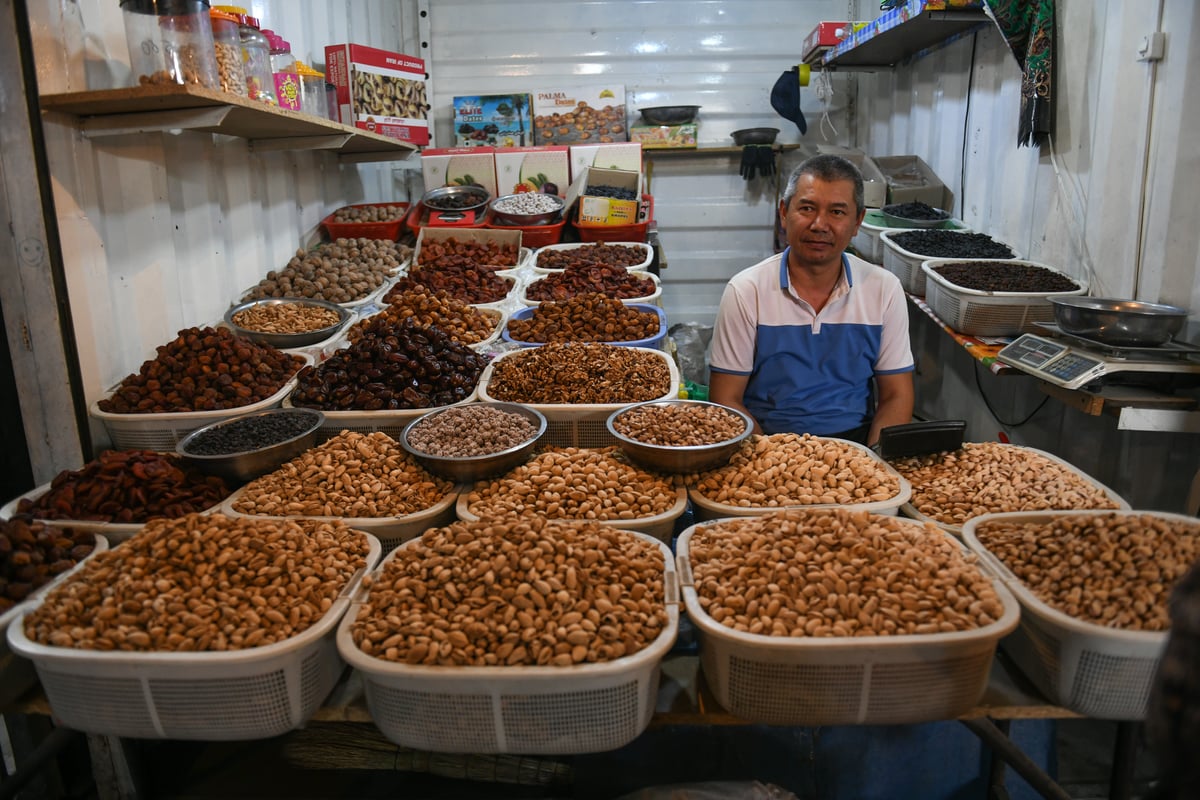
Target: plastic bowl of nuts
x=679 y=436
x=529 y=208
x=287 y=322
x=245 y=447
x=474 y=441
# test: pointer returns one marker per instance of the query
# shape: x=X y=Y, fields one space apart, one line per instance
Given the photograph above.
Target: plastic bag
x=691 y=350
x=712 y=790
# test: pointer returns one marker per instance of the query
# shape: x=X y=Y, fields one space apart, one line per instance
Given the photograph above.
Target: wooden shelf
x=148 y=109
x=894 y=42
x=711 y=150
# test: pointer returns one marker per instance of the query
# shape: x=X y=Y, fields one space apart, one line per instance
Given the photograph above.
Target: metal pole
x=1003 y=747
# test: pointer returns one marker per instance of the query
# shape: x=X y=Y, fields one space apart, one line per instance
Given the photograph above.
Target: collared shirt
x=811 y=371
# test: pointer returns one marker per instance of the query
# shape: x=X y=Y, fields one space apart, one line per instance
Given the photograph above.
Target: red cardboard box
x=821 y=38
x=379 y=91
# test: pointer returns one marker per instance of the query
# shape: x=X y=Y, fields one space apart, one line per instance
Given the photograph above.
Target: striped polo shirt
x=811 y=372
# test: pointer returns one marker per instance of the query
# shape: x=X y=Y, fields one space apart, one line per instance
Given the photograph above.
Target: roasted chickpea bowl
x=679 y=436
x=474 y=441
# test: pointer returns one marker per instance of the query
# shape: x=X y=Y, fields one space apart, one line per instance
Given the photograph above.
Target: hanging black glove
x=765 y=160
x=749 y=162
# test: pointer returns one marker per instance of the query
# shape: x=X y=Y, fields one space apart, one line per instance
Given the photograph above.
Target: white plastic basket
x=17 y=674
x=979 y=313
x=162 y=431
x=641 y=265
x=870 y=246
x=655 y=341
x=390 y=531
x=654 y=297
x=1096 y=671
x=585 y=708
x=660 y=526
x=862 y=680
x=906 y=265
x=706 y=509
x=909 y=510
x=578 y=425
x=255 y=693
x=391 y=422
x=502 y=237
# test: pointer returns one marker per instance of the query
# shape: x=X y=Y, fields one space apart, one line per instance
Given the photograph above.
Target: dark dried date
x=32 y=554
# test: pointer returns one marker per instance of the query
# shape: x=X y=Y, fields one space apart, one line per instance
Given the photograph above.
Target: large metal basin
x=1126 y=323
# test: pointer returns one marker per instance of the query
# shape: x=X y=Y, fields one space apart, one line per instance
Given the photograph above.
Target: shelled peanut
x=515 y=592
x=579 y=372
x=988 y=477
x=202 y=583
x=431 y=309
x=784 y=469
x=590 y=317
x=679 y=424
x=455 y=252
x=351 y=475
x=837 y=573
x=1115 y=570
x=33 y=553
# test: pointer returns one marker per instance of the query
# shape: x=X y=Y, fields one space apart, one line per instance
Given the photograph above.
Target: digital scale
x=1074 y=362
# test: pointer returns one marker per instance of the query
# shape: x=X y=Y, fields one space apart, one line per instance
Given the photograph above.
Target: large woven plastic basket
x=981 y=313
x=644 y=264
x=585 y=708
x=255 y=693
x=1094 y=670
x=862 y=680
x=905 y=264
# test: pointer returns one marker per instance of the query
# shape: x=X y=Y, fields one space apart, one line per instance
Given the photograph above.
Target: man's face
x=820 y=221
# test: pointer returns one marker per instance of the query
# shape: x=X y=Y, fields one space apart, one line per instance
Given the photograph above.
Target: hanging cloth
x=1028 y=27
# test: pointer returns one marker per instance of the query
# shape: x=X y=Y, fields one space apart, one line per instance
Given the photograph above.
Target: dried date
x=578 y=279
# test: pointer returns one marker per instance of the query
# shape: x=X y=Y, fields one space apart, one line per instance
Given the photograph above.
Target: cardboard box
x=533 y=169
x=459 y=166
x=584 y=114
x=822 y=38
x=495 y=120
x=664 y=136
x=909 y=179
x=362 y=74
x=625 y=156
x=874 y=184
x=605 y=210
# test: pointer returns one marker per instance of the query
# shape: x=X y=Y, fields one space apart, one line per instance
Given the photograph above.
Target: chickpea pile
x=832 y=572
x=515 y=592
x=202 y=582
x=1115 y=570
x=989 y=477
x=575 y=483
x=788 y=469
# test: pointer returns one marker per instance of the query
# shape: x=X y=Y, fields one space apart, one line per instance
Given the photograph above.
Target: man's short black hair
x=826 y=167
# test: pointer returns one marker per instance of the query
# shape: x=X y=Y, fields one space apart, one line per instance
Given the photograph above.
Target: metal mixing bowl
x=514 y=218
x=247 y=465
x=467 y=469
x=286 y=340
x=1126 y=323
x=456 y=198
x=755 y=136
x=694 y=458
x=668 y=115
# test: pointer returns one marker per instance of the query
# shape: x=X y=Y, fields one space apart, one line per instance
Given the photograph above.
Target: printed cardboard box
x=532 y=169
x=459 y=166
x=379 y=91
x=496 y=120
x=664 y=136
x=625 y=156
x=605 y=210
x=909 y=180
x=584 y=114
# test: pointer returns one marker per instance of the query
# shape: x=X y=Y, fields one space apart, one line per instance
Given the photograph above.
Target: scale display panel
x=1051 y=361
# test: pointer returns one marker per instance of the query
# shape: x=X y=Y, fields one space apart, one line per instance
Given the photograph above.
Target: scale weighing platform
x=1074 y=362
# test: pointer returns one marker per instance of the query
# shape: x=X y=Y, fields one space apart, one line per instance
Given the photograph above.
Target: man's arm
x=895 y=404
x=728 y=390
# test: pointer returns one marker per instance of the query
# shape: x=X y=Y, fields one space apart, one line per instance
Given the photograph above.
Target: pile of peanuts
x=202 y=583
x=1115 y=570
x=836 y=573
x=575 y=483
x=33 y=553
x=788 y=469
x=470 y=284
x=125 y=486
x=617 y=282
x=370 y=213
x=679 y=424
x=432 y=309
x=474 y=429
x=453 y=252
x=341 y=271
x=229 y=68
x=360 y=475
x=988 y=477
x=285 y=318
x=203 y=369
x=515 y=592
x=590 y=317
x=579 y=372
x=598 y=253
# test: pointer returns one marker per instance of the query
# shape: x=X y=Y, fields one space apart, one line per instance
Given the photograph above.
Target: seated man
x=813 y=340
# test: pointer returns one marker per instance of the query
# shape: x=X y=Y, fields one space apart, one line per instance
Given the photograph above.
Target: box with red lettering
x=379 y=91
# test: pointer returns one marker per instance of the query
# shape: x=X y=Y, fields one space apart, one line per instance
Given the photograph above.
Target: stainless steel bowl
x=668 y=115
x=755 y=136
x=456 y=198
x=467 y=469
x=695 y=458
x=513 y=218
x=1125 y=323
x=286 y=340
x=246 y=465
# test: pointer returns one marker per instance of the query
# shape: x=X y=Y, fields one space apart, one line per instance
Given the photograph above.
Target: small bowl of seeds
x=244 y=447
x=474 y=441
x=287 y=322
x=679 y=436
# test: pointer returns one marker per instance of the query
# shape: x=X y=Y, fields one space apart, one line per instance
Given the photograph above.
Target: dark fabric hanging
x=1028 y=27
